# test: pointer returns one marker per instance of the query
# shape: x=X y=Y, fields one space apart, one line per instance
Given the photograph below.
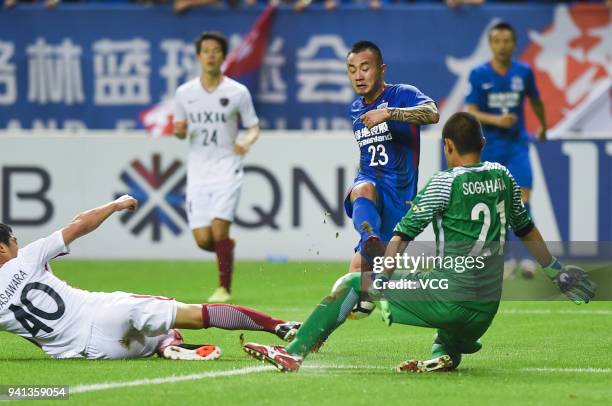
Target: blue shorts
x=392 y=204
x=514 y=155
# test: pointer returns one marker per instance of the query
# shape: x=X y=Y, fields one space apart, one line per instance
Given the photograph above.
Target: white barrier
x=292 y=180
x=291 y=203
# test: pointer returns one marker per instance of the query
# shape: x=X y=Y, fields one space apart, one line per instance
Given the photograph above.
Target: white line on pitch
x=205 y=375
x=574 y=370
x=252 y=370
x=550 y=311
x=168 y=379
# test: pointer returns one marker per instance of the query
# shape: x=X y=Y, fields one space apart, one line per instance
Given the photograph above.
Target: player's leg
x=223 y=209
x=463 y=338
x=395 y=206
x=519 y=166
x=125 y=328
x=197 y=202
x=200 y=204
x=154 y=318
x=326 y=317
x=224 y=249
x=231 y=317
x=458 y=328
x=459 y=333
x=361 y=206
x=357 y=262
x=203 y=238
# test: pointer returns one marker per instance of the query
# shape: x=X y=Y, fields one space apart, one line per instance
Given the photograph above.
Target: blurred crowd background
x=181 y=6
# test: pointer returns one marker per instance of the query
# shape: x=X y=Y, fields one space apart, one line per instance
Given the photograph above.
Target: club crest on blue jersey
x=517 y=84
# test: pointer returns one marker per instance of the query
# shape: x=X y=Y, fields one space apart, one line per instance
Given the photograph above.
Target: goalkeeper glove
x=376 y=288
x=572 y=281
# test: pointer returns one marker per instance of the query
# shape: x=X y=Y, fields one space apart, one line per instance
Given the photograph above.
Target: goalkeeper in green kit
x=471 y=205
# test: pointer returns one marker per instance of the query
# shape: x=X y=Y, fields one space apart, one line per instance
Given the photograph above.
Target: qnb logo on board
x=160 y=192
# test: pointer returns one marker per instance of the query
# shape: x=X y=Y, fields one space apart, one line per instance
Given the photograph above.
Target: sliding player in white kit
x=72 y=323
x=208 y=110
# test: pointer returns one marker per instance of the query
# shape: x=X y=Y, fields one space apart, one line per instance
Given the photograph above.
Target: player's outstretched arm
x=88 y=221
x=426 y=113
x=572 y=281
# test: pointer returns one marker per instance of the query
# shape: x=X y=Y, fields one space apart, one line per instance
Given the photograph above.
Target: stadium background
x=79 y=83
x=75 y=83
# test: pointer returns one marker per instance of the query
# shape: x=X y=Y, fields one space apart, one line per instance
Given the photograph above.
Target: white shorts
x=208 y=202
x=129 y=326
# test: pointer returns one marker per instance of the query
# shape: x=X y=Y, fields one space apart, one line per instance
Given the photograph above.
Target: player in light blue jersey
x=497 y=91
x=386 y=120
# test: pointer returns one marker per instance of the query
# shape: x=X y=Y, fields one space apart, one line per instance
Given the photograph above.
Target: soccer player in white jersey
x=208 y=111
x=73 y=323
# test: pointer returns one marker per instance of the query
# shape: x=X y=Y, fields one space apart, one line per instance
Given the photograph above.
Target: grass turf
x=534 y=353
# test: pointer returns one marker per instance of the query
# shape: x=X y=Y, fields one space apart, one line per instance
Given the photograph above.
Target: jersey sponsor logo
x=9 y=291
x=483 y=187
x=161 y=194
x=504 y=101
x=375 y=139
x=207 y=117
x=379 y=129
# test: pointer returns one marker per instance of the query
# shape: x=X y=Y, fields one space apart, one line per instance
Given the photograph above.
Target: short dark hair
x=503 y=26
x=214 y=35
x=361 y=46
x=465 y=131
x=5 y=233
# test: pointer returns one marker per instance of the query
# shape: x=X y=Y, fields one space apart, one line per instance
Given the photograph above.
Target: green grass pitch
x=535 y=352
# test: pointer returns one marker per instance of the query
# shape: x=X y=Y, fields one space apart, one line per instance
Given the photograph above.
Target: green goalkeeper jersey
x=470 y=208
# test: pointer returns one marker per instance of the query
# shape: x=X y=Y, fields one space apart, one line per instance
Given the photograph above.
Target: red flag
x=247 y=57
x=241 y=64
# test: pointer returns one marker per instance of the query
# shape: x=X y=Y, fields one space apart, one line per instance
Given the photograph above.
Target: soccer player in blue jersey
x=386 y=120
x=496 y=95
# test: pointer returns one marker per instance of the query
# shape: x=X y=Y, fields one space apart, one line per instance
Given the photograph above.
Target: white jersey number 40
x=33 y=324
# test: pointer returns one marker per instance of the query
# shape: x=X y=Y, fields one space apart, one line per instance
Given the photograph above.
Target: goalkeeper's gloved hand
x=574 y=282
x=379 y=281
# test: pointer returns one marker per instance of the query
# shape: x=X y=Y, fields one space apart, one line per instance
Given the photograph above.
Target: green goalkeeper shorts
x=458 y=325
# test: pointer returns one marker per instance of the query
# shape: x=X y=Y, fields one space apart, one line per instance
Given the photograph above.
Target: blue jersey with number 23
x=389 y=153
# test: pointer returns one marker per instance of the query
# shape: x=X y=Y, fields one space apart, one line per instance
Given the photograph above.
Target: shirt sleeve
x=474 y=95
x=531 y=89
x=43 y=250
x=520 y=221
x=247 y=110
x=420 y=97
x=179 y=110
x=431 y=201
